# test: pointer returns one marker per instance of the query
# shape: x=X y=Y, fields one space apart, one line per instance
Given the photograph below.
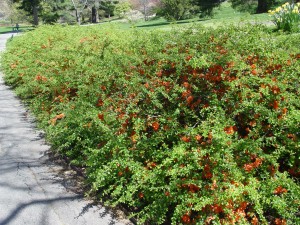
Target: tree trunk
x=95 y=16
x=262 y=6
x=145 y=12
x=35 y=15
x=77 y=17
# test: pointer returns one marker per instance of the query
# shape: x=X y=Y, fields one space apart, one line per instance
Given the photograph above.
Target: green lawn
x=223 y=15
x=8 y=29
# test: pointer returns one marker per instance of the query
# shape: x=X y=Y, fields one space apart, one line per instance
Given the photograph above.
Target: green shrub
x=191 y=126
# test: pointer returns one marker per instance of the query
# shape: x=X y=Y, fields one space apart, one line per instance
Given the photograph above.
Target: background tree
x=5 y=9
x=183 y=9
x=108 y=7
x=32 y=8
x=95 y=8
x=79 y=5
x=64 y=8
x=10 y=11
x=254 y=6
x=122 y=8
x=145 y=4
x=51 y=10
x=147 y=7
x=175 y=9
x=206 y=6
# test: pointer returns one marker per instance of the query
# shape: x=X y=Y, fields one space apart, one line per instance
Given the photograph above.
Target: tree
x=182 y=9
x=108 y=7
x=121 y=8
x=31 y=7
x=11 y=11
x=79 y=5
x=206 y=6
x=145 y=6
x=95 y=7
x=50 y=10
x=175 y=9
x=263 y=5
x=253 y=6
x=5 y=9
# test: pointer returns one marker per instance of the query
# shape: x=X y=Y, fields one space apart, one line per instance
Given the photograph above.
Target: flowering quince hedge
x=194 y=126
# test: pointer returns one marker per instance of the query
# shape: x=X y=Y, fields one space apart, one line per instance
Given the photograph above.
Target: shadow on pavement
x=11 y=216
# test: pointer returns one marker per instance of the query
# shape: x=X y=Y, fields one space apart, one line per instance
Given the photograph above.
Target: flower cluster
x=287 y=16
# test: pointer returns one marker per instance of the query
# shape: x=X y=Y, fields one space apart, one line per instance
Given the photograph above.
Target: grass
x=224 y=14
x=9 y=29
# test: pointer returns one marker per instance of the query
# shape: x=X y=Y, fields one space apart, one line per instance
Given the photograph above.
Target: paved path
x=31 y=191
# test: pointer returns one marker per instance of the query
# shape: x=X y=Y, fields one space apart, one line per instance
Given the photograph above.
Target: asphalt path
x=33 y=189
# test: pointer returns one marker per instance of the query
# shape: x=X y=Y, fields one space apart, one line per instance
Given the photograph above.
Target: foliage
x=191 y=126
x=32 y=8
x=287 y=17
x=17 y=15
x=179 y=10
x=121 y=8
x=244 y=6
x=147 y=7
x=57 y=11
x=5 y=9
x=176 y=9
x=108 y=7
x=206 y=7
x=254 y=6
x=50 y=13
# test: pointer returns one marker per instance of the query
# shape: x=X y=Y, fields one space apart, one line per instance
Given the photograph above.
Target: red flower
x=275 y=104
x=198 y=137
x=185 y=139
x=254 y=72
x=275 y=90
x=186 y=84
x=230 y=129
x=248 y=167
x=193 y=188
x=185 y=94
x=257 y=162
x=141 y=195
x=186 y=219
x=284 y=111
x=279 y=221
x=190 y=99
x=254 y=221
x=216 y=208
x=100 y=116
x=120 y=173
x=188 y=58
x=99 y=102
x=155 y=126
x=252 y=123
x=279 y=190
x=159 y=73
